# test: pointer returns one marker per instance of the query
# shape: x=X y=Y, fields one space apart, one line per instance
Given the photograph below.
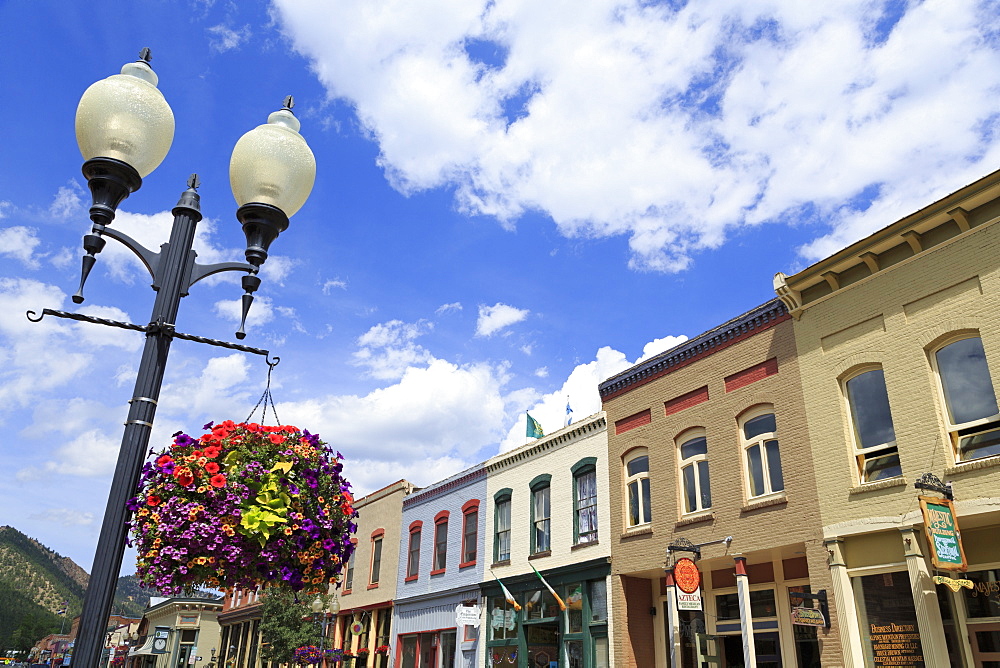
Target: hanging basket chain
x=266 y=398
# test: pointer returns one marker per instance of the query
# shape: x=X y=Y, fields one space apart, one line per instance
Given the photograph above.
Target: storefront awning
x=146 y=648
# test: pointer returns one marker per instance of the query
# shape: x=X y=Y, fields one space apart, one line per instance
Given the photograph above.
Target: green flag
x=534 y=429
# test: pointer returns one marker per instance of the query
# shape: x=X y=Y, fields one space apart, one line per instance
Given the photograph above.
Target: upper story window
x=349 y=578
x=470 y=532
x=695 y=486
x=874 y=436
x=440 y=543
x=759 y=435
x=541 y=512
x=972 y=413
x=376 y=557
x=637 y=484
x=501 y=526
x=413 y=551
x=585 y=501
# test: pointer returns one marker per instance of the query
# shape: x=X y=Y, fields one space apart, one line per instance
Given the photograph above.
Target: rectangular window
x=376 y=560
x=440 y=545
x=502 y=546
x=540 y=510
x=637 y=482
x=413 y=562
x=470 y=536
x=586 y=507
x=349 y=578
x=763 y=459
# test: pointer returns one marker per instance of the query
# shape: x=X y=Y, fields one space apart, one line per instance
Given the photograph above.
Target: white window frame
x=645 y=514
x=862 y=454
x=759 y=441
x=694 y=462
x=954 y=429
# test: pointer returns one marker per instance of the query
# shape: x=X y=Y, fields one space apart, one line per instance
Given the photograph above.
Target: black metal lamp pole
x=113 y=169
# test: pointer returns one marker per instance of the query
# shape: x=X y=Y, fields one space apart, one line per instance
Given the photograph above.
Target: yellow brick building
x=898 y=345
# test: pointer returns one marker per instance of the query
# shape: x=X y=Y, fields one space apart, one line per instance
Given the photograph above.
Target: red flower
x=277 y=439
x=152 y=500
x=212 y=451
x=196 y=454
x=163 y=460
x=212 y=467
x=184 y=480
x=218 y=480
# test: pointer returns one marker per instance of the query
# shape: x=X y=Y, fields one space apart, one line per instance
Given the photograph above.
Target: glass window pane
x=598 y=600
x=696 y=446
x=690 y=493
x=983 y=444
x=882 y=467
x=376 y=561
x=574 y=607
x=762 y=424
x=774 y=466
x=966 y=380
x=706 y=489
x=633 y=503
x=756 y=469
x=638 y=465
x=645 y=500
x=870 y=409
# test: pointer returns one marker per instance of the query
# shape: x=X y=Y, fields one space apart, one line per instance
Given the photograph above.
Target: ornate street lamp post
x=324 y=618
x=124 y=128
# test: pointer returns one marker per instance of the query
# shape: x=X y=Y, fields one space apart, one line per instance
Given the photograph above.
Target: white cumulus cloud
x=499 y=316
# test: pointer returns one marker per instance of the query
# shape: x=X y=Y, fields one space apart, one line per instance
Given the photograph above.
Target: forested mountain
x=36 y=582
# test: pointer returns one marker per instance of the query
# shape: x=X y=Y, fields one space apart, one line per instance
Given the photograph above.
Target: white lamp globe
x=272 y=164
x=125 y=117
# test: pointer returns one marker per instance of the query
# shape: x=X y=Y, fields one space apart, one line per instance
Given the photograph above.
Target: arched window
x=761 y=457
x=585 y=501
x=695 y=487
x=440 y=559
x=636 y=471
x=470 y=532
x=541 y=514
x=874 y=436
x=376 y=565
x=972 y=414
x=413 y=551
x=501 y=525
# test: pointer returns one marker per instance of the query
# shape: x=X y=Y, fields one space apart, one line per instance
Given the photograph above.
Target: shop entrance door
x=985 y=645
x=543 y=644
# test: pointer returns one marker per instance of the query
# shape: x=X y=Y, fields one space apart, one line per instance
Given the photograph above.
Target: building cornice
x=446 y=486
x=565 y=435
x=742 y=327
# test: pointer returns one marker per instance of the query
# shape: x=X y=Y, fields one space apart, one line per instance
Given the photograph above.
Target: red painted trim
x=639 y=419
x=438 y=571
x=687 y=400
x=378 y=533
x=410 y=578
x=470 y=505
x=751 y=374
x=741 y=566
x=466 y=564
x=441 y=517
x=415 y=524
x=354 y=541
x=670 y=577
x=372 y=586
x=711 y=351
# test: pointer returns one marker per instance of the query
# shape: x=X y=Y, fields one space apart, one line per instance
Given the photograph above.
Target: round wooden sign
x=686 y=575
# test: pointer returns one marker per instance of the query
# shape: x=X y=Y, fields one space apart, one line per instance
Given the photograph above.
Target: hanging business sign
x=687 y=580
x=943 y=535
x=468 y=615
x=802 y=616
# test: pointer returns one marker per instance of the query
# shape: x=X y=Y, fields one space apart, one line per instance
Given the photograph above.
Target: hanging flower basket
x=308 y=654
x=242 y=506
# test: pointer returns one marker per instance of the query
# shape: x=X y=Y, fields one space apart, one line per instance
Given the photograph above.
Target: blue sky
x=514 y=200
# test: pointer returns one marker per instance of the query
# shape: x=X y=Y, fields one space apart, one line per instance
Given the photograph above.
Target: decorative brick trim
x=637 y=531
x=415 y=525
x=697 y=519
x=752 y=374
x=470 y=505
x=640 y=419
x=750 y=506
x=875 y=486
x=973 y=465
x=692 y=398
x=441 y=517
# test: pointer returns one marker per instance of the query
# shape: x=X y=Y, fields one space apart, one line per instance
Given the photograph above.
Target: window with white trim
x=874 y=436
x=541 y=512
x=637 y=484
x=696 y=489
x=585 y=501
x=970 y=401
x=761 y=456
x=501 y=526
